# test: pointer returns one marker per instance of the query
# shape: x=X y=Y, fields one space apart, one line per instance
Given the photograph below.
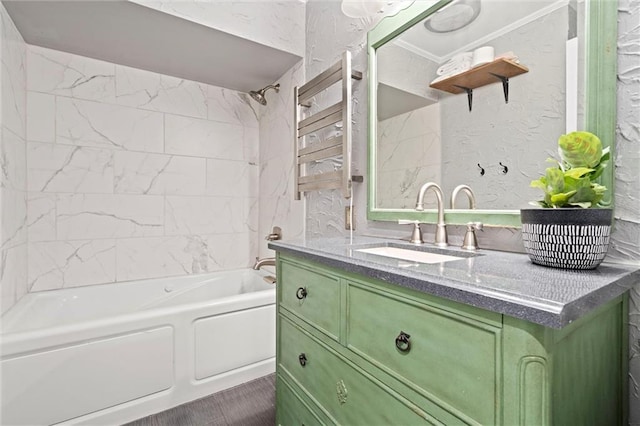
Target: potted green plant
x=571 y=230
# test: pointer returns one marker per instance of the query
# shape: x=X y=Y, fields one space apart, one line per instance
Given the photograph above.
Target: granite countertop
x=507 y=283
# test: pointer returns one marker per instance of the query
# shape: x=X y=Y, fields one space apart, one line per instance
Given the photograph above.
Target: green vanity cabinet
x=353 y=350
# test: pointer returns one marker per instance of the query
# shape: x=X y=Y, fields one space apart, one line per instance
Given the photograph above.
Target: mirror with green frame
x=441 y=112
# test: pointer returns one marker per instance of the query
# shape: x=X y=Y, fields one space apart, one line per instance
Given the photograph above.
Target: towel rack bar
x=329 y=184
x=320 y=115
x=335 y=68
x=321 y=155
x=329 y=72
x=319 y=146
x=303 y=99
x=321 y=177
x=321 y=124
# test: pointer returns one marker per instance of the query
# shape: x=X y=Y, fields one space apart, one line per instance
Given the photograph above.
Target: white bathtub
x=113 y=353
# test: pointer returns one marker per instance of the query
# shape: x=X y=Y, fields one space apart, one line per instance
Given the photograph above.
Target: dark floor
x=250 y=404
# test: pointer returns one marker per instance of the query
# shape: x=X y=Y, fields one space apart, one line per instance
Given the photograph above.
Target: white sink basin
x=410 y=255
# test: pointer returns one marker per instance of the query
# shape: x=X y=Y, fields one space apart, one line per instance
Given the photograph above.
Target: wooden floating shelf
x=480 y=76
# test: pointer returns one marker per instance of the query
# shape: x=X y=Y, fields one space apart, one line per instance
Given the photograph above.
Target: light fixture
x=456 y=15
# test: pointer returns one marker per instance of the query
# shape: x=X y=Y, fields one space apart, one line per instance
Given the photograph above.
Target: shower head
x=259 y=95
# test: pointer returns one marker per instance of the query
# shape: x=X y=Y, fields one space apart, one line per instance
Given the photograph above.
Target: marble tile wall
x=132 y=174
x=13 y=181
x=409 y=153
x=277 y=206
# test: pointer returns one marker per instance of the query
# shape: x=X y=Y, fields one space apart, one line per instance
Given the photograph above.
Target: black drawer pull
x=301 y=293
x=402 y=342
x=303 y=359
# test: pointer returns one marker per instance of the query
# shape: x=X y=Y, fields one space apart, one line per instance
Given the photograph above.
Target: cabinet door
x=452 y=360
x=345 y=394
x=312 y=295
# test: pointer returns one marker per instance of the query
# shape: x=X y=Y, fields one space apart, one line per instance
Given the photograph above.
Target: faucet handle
x=470 y=240
x=416 y=235
x=276 y=234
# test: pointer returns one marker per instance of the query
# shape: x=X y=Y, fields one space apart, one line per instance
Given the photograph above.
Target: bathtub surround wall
x=13 y=181
x=409 y=150
x=409 y=153
x=277 y=206
x=133 y=174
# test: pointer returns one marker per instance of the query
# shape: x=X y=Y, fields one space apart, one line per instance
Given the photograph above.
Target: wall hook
x=505 y=169
x=481 y=170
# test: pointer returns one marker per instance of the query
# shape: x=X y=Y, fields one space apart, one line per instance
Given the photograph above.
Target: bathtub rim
x=5 y=334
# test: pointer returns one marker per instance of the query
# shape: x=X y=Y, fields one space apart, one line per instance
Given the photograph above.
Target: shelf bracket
x=469 y=95
x=505 y=86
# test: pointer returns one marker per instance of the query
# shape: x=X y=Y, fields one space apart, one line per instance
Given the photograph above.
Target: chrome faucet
x=467 y=190
x=441 y=229
x=267 y=261
x=470 y=239
x=416 y=234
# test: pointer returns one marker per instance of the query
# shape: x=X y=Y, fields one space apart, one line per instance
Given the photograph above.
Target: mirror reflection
x=425 y=128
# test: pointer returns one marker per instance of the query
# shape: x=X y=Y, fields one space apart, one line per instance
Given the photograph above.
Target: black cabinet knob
x=402 y=342
x=303 y=359
x=301 y=293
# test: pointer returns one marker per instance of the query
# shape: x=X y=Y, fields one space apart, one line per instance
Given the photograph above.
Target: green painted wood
x=526 y=388
x=471 y=313
x=348 y=396
x=588 y=361
x=600 y=104
x=455 y=308
x=575 y=375
x=452 y=360
x=291 y=410
x=463 y=368
x=600 y=81
x=321 y=306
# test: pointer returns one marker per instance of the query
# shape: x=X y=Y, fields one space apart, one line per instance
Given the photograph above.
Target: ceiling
x=130 y=34
x=439 y=47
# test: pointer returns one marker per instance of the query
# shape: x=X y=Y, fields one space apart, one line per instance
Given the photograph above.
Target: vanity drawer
x=291 y=411
x=312 y=295
x=344 y=393
x=451 y=359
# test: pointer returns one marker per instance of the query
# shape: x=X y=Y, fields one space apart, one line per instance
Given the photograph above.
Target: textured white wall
x=515 y=134
x=625 y=246
x=133 y=174
x=13 y=181
x=328 y=34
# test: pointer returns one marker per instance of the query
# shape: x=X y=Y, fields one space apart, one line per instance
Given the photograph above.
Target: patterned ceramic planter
x=566 y=238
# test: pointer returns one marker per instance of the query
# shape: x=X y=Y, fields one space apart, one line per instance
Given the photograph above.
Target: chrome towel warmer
x=332 y=147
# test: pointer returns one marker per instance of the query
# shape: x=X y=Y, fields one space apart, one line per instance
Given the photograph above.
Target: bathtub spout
x=267 y=261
